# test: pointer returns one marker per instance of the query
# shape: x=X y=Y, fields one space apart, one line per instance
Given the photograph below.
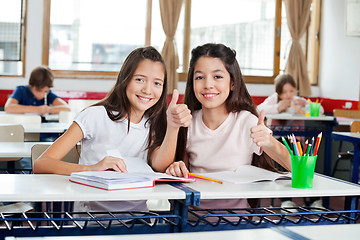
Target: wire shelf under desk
x=231 y=219
x=85 y=223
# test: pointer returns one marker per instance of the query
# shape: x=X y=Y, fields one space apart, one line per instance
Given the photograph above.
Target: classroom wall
x=339 y=58
x=339 y=73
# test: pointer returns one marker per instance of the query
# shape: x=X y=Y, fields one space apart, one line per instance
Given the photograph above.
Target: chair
x=77 y=105
x=11 y=133
x=72 y=157
x=10 y=118
x=346 y=156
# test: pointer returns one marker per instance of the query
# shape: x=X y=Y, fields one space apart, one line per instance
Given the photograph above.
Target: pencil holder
x=315 y=109
x=302 y=168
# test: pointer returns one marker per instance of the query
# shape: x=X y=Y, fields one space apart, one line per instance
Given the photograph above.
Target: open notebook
x=140 y=175
x=247 y=174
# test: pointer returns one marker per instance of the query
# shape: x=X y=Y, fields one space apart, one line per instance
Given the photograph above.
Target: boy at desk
x=37 y=96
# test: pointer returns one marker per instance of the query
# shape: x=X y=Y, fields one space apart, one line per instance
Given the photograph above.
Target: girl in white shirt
x=226 y=131
x=131 y=121
x=284 y=99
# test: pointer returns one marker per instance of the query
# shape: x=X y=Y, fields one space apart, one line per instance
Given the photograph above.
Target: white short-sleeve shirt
x=103 y=137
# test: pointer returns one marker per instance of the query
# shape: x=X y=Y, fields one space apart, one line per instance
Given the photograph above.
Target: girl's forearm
x=165 y=154
x=279 y=153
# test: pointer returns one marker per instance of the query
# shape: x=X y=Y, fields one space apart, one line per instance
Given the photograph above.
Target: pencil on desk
x=203 y=177
x=45 y=98
x=297 y=109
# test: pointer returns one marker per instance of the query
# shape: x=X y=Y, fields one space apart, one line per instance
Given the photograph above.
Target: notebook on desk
x=247 y=174
x=140 y=175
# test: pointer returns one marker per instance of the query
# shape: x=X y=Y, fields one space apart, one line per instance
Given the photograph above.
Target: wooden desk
x=51 y=127
x=322 y=186
x=328 y=121
x=55 y=188
x=355 y=139
x=17 y=149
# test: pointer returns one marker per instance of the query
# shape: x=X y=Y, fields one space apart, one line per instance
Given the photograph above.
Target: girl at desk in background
x=132 y=120
x=37 y=96
x=226 y=131
x=285 y=100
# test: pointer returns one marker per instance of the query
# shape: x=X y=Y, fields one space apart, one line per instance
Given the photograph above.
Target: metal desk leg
x=355 y=171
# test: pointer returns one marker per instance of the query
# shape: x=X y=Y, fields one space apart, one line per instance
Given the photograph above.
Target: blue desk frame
x=339 y=136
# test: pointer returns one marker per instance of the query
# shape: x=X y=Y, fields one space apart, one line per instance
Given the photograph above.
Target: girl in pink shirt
x=226 y=131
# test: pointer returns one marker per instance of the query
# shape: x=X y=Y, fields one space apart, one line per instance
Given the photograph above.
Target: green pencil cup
x=302 y=169
x=315 y=109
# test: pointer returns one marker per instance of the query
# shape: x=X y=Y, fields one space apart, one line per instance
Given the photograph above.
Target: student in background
x=226 y=131
x=37 y=96
x=285 y=99
x=132 y=120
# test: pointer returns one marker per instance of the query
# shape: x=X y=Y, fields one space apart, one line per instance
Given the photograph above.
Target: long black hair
x=117 y=104
x=238 y=100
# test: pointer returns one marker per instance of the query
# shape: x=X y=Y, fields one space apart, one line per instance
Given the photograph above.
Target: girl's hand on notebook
x=178 y=115
x=178 y=169
x=109 y=162
x=260 y=134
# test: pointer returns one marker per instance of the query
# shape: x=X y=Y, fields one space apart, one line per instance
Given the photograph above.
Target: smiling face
x=288 y=92
x=212 y=83
x=39 y=93
x=145 y=87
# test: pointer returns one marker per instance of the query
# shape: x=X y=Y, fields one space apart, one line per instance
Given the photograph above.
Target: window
x=12 y=44
x=94 y=37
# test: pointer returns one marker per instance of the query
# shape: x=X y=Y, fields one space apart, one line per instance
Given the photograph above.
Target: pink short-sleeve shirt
x=223 y=149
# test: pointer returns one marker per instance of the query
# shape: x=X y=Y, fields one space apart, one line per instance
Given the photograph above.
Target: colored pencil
x=306 y=146
x=300 y=150
x=287 y=146
x=312 y=145
x=317 y=144
x=45 y=98
x=308 y=150
x=203 y=177
x=297 y=109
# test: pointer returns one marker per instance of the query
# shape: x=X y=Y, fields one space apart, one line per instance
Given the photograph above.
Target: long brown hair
x=117 y=104
x=238 y=100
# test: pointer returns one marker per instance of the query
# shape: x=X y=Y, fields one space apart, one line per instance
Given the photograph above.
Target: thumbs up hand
x=260 y=134
x=178 y=115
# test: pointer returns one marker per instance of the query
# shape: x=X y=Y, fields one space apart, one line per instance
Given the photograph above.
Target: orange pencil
x=300 y=150
x=203 y=177
x=317 y=144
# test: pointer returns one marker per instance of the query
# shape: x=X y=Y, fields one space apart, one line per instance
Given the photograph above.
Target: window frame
x=312 y=39
x=23 y=41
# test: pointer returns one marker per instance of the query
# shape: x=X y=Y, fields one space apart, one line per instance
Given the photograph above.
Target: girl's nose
x=146 y=88
x=209 y=83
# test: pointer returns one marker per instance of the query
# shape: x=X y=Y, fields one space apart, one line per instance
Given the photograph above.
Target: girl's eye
x=139 y=79
x=198 y=77
x=218 y=77
x=158 y=84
